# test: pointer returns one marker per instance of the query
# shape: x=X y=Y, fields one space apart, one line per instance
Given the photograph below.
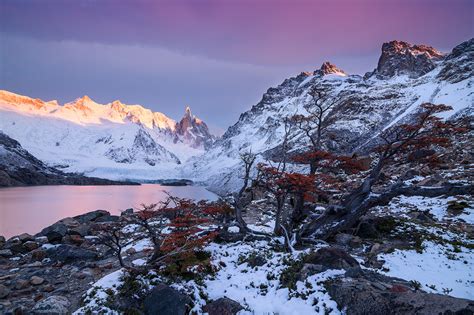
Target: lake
x=30 y=209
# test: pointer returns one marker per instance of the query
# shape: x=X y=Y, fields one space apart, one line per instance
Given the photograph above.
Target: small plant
x=415 y=284
x=447 y=290
x=432 y=287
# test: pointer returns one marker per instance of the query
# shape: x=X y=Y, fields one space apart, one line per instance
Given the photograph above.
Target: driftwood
x=345 y=216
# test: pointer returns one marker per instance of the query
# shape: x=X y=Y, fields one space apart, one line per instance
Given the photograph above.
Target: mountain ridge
x=364 y=105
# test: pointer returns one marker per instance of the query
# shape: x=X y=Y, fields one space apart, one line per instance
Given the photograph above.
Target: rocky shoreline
x=52 y=272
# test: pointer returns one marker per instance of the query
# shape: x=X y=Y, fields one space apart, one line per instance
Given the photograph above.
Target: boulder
x=30 y=245
x=371 y=293
x=52 y=305
x=24 y=237
x=69 y=253
x=331 y=258
x=223 y=306
x=55 y=232
x=165 y=300
x=16 y=246
x=82 y=230
x=90 y=216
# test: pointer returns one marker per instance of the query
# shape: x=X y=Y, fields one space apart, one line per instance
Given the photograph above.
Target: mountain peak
x=187 y=112
x=399 y=57
x=330 y=68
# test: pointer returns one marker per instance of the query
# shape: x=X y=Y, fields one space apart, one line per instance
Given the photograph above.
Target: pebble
x=35 y=280
x=21 y=284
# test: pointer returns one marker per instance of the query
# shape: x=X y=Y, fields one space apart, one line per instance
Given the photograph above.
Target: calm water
x=30 y=209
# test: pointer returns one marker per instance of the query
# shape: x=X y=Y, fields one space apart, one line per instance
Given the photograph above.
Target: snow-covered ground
x=439 y=269
x=444 y=261
x=258 y=289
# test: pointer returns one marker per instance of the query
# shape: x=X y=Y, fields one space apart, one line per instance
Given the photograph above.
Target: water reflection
x=30 y=209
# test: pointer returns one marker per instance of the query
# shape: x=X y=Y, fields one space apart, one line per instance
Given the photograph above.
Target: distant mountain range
x=120 y=141
x=112 y=140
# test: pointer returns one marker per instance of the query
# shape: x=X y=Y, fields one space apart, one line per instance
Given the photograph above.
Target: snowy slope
x=406 y=76
x=114 y=140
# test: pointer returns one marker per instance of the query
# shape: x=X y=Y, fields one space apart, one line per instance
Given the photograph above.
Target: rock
x=372 y=293
x=403 y=58
x=127 y=211
x=24 y=237
x=331 y=258
x=41 y=239
x=82 y=230
x=107 y=218
x=367 y=229
x=55 y=232
x=35 y=280
x=69 y=222
x=73 y=239
x=30 y=245
x=6 y=253
x=4 y=291
x=53 y=305
x=68 y=253
x=223 y=306
x=167 y=301
x=48 y=288
x=16 y=246
x=131 y=251
x=90 y=216
x=21 y=284
x=345 y=239
x=38 y=255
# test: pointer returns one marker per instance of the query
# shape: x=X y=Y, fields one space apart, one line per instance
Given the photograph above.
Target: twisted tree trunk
x=340 y=218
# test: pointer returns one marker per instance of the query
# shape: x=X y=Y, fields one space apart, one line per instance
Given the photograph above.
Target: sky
x=218 y=57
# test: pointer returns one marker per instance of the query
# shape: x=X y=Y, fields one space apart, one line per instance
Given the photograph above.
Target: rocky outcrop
x=400 y=57
x=329 y=68
x=193 y=130
x=366 y=292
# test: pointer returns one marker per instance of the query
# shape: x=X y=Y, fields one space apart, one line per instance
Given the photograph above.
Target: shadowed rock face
x=403 y=58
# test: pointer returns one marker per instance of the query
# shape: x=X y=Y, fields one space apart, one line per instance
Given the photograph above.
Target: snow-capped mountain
x=113 y=140
x=406 y=76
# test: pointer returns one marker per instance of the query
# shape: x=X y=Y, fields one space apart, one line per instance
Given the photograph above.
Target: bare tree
x=114 y=237
x=315 y=124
